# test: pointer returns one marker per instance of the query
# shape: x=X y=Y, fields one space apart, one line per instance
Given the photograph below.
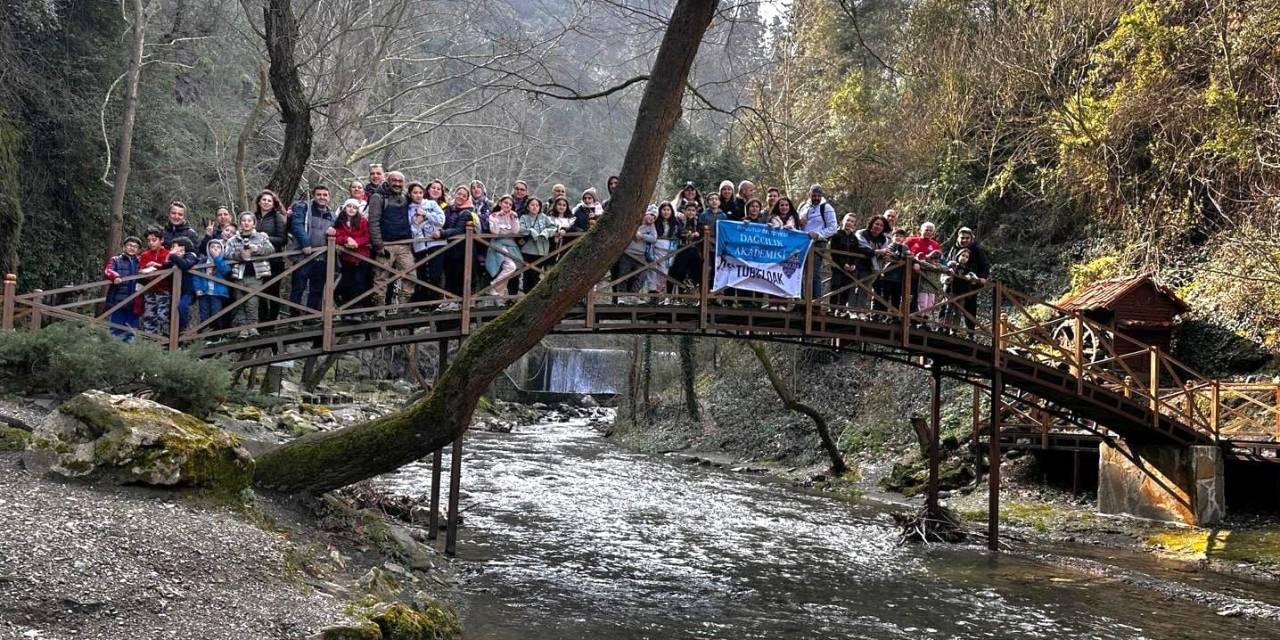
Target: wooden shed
x=1137 y=306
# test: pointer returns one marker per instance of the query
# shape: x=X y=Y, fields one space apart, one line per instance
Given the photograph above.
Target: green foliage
x=11 y=144
x=705 y=162
x=66 y=359
x=1096 y=270
x=56 y=135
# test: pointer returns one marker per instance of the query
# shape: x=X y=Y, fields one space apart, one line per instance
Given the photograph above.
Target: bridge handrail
x=1019 y=325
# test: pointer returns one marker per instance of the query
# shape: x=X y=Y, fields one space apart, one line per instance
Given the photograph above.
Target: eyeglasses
x=520 y=189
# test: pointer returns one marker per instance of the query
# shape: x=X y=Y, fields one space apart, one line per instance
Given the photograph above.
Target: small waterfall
x=585 y=370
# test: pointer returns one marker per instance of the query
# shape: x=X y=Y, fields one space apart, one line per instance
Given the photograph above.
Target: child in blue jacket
x=211 y=295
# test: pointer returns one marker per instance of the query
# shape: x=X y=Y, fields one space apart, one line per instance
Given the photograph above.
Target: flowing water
x=568 y=536
x=586 y=370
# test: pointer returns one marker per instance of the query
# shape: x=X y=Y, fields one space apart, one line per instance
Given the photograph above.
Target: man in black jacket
x=377 y=180
x=177 y=226
x=977 y=266
x=389 y=222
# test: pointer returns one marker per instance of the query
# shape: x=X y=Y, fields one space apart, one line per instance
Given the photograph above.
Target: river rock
x=248 y=412
x=12 y=439
x=587 y=401
x=294 y=422
x=366 y=630
x=132 y=440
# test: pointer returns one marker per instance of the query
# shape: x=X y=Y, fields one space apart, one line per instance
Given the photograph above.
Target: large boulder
x=130 y=440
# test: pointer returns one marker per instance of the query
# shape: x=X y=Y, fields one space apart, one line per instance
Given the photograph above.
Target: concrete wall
x=1162 y=482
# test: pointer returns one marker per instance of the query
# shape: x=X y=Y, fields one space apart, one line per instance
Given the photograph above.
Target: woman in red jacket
x=924 y=244
x=351 y=233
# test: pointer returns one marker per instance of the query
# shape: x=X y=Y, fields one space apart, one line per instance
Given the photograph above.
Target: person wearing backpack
x=819 y=219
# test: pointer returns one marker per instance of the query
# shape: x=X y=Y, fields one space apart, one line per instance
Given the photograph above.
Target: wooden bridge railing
x=989 y=313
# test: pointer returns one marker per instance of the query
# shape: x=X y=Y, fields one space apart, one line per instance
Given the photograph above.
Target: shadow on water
x=568 y=536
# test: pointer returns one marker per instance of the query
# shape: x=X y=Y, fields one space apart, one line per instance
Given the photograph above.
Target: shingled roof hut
x=1137 y=306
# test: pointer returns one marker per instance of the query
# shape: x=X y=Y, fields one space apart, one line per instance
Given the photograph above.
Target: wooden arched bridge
x=1073 y=366
x=1038 y=358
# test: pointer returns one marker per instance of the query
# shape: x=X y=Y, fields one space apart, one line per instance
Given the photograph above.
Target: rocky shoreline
x=104 y=556
x=99 y=559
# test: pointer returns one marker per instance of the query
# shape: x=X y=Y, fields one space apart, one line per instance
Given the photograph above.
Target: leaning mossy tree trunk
x=324 y=461
x=838 y=466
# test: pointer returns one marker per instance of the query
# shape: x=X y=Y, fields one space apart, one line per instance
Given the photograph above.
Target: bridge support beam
x=455 y=487
x=935 y=428
x=993 y=463
x=1169 y=483
x=437 y=457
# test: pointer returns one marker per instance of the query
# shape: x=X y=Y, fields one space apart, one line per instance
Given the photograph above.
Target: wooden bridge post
x=455 y=485
x=1078 y=351
x=935 y=446
x=997 y=301
x=977 y=438
x=1153 y=377
x=904 y=303
x=175 y=299
x=993 y=464
x=10 y=293
x=993 y=441
x=1046 y=421
x=433 y=518
x=1188 y=404
x=1215 y=413
x=36 y=316
x=807 y=288
x=704 y=292
x=467 y=265
x=327 y=304
x=1277 y=410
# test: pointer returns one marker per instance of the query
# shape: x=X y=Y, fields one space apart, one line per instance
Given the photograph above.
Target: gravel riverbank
x=82 y=561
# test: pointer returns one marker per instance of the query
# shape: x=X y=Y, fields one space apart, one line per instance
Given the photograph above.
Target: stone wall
x=1162 y=482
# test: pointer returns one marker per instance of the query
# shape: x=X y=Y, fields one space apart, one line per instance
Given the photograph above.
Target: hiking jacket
x=388 y=219
x=261 y=245
x=121 y=266
x=308 y=222
x=175 y=231
x=356 y=229
x=216 y=266
x=819 y=218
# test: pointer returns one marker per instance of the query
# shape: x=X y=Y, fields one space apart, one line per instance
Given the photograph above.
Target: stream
x=569 y=536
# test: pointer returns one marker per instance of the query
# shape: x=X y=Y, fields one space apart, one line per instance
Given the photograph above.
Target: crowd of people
x=407 y=227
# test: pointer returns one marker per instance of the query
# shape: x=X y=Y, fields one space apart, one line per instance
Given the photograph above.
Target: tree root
x=922 y=526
